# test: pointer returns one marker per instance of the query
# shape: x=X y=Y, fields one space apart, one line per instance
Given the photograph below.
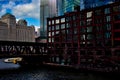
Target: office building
x=65 y=6
x=90 y=36
x=12 y=31
x=47 y=9
x=86 y=4
x=60 y=7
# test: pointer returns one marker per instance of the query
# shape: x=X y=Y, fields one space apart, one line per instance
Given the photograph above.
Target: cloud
x=10 y=5
x=26 y=10
x=31 y=10
x=2 y=11
x=4 y=7
x=37 y=28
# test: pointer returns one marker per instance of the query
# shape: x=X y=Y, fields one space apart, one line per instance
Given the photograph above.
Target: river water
x=9 y=71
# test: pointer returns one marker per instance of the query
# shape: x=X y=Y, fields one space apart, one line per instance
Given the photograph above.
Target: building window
x=89 y=36
x=52 y=33
x=98 y=20
x=49 y=28
x=49 y=34
x=89 y=14
x=62 y=26
x=98 y=28
x=108 y=19
x=49 y=22
x=57 y=32
x=98 y=12
x=116 y=8
x=89 y=29
x=57 y=21
x=52 y=21
x=62 y=20
x=108 y=27
x=107 y=10
x=117 y=17
x=57 y=27
x=74 y=24
x=68 y=19
x=82 y=23
x=82 y=37
x=67 y=31
x=49 y=40
x=82 y=30
x=52 y=39
x=53 y=28
x=67 y=25
x=74 y=18
x=98 y=36
x=75 y=30
x=89 y=21
x=75 y=38
x=82 y=16
x=108 y=35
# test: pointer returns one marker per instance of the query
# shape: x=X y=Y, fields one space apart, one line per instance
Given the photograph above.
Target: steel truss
x=11 y=48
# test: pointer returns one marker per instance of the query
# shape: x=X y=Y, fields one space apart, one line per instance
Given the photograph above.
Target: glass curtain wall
x=85 y=4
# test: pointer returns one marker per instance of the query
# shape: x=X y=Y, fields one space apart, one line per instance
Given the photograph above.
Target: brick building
x=85 y=36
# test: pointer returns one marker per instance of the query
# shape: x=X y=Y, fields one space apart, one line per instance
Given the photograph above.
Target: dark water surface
x=46 y=73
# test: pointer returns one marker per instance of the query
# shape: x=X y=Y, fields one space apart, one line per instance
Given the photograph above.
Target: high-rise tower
x=86 y=4
x=64 y=6
x=71 y=5
x=47 y=9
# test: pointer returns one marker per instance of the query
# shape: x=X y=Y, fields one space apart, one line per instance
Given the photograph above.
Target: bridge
x=31 y=52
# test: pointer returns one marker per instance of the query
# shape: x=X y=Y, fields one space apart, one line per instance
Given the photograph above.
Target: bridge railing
x=22 y=48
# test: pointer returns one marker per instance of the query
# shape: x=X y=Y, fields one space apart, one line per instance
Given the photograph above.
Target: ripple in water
x=13 y=72
x=4 y=65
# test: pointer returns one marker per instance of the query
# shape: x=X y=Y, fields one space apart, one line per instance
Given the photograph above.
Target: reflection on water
x=4 y=65
x=50 y=74
x=15 y=72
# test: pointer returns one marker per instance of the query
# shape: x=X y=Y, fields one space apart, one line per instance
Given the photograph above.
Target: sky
x=22 y=9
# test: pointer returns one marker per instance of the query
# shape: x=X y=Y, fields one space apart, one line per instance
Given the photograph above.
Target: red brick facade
x=89 y=36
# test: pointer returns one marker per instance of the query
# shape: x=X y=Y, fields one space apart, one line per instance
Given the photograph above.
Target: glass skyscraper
x=60 y=7
x=86 y=4
x=71 y=5
x=65 y=6
x=47 y=9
